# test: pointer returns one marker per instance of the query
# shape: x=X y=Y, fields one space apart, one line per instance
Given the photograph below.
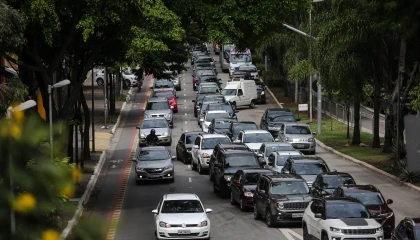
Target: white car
x=339 y=218
x=203 y=148
x=254 y=138
x=181 y=216
x=210 y=115
x=129 y=79
x=276 y=160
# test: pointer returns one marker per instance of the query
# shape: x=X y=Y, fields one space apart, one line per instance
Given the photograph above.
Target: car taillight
x=392 y=231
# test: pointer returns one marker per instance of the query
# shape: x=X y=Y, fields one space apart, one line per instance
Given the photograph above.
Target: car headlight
x=280 y=205
x=386 y=215
x=273 y=128
x=379 y=230
x=142 y=135
x=168 y=167
x=262 y=93
x=337 y=230
x=289 y=139
x=205 y=155
x=139 y=169
x=165 y=134
x=164 y=224
x=227 y=177
x=310 y=139
x=202 y=224
x=248 y=194
x=167 y=115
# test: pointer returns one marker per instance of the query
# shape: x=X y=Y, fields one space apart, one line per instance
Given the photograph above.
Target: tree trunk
x=376 y=143
x=70 y=149
x=86 y=137
x=356 y=130
x=77 y=114
x=348 y=120
x=111 y=95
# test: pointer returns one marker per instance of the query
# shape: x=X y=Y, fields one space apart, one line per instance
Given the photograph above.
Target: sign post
x=303 y=107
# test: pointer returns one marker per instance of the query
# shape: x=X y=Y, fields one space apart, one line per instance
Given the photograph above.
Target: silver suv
x=160 y=125
x=159 y=107
x=299 y=135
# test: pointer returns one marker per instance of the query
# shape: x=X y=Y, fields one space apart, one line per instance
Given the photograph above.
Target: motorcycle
x=153 y=142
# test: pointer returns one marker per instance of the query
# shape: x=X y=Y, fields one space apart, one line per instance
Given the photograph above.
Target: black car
x=221 y=148
x=235 y=128
x=243 y=186
x=260 y=92
x=198 y=98
x=281 y=198
x=408 y=228
x=208 y=79
x=184 y=146
x=226 y=164
x=273 y=118
x=224 y=107
x=326 y=183
x=220 y=126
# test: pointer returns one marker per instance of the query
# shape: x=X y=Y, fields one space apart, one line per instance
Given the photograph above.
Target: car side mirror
x=155 y=211
x=318 y=215
x=201 y=120
x=208 y=210
x=389 y=201
x=297 y=119
x=196 y=147
x=138 y=127
x=314 y=133
x=259 y=155
x=333 y=170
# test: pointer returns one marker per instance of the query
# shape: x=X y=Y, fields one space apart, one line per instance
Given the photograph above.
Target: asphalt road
x=130 y=205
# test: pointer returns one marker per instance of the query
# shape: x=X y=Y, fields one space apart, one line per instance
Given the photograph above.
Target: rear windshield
x=252 y=178
x=157 y=106
x=298 y=130
x=310 y=168
x=153 y=155
x=210 y=143
x=190 y=139
x=209 y=90
x=163 y=84
x=282 y=118
x=211 y=116
x=155 y=123
x=281 y=159
x=167 y=94
x=224 y=107
x=258 y=138
x=214 y=99
x=331 y=182
x=239 y=127
x=241 y=160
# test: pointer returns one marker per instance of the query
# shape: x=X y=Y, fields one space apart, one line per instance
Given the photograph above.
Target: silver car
x=276 y=160
x=159 y=107
x=299 y=135
x=161 y=127
x=154 y=163
x=174 y=77
x=267 y=148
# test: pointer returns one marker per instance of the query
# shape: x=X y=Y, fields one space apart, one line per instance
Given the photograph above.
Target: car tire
x=324 y=236
x=211 y=176
x=175 y=111
x=224 y=191
x=214 y=188
x=242 y=206
x=252 y=104
x=233 y=106
x=195 y=113
x=232 y=199
x=305 y=234
x=100 y=82
x=257 y=216
x=269 y=219
x=170 y=143
x=127 y=84
x=200 y=169
x=193 y=165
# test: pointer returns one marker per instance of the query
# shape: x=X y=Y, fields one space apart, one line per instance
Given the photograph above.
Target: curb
x=272 y=95
x=122 y=110
x=85 y=198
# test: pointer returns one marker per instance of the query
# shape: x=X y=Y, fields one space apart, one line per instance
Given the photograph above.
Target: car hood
x=159 y=131
x=350 y=223
x=181 y=218
x=228 y=97
x=163 y=111
x=235 y=65
x=249 y=188
x=291 y=197
x=305 y=137
x=233 y=170
x=208 y=151
x=154 y=164
x=254 y=146
x=221 y=131
x=309 y=178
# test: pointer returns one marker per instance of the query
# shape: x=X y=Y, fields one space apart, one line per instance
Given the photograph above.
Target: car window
x=251 y=178
x=209 y=90
x=197 y=141
x=157 y=106
x=190 y=138
x=182 y=206
x=309 y=168
x=211 y=116
x=223 y=107
x=347 y=210
x=271 y=149
x=262 y=149
x=367 y=198
x=282 y=118
x=261 y=183
x=289 y=187
x=167 y=94
x=229 y=92
x=239 y=160
x=222 y=125
x=182 y=138
x=239 y=127
x=336 y=181
x=315 y=205
x=163 y=84
x=153 y=155
x=281 y=159
x=210 y=143
x=258 y=138
x=298 y=130
x=155 y=123
x=219 y=99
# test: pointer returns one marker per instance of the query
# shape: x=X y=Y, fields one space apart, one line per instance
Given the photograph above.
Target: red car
x=169 y=94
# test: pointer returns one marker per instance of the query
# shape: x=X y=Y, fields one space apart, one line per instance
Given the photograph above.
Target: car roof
x=341 y=200
x=158 y=99
x=247 y=65
x=224 y=120
x=213 y=135
x=278 y=110
x=154 y=148
x=256 y=170
x=330 y=174
x=254 y=131
x=305 y=159
x=360 y=188
x=233 y=146
x=193 y=133
x=246 y=122
x=216 y=111
x=180 y=196
x=295 y=124
x=154 y=118
x=293 y=153
x=270 y=144
x=237 y=151
x=280 y=177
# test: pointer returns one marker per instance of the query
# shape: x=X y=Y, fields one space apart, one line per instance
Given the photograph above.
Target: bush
x=261 y=66
x=271 y=78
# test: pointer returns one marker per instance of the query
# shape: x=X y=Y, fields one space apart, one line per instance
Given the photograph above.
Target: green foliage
x=415 y=95
x=301 y=71
x=271 y=78
x=11 y=92
x=12 y=26
x=367 y=93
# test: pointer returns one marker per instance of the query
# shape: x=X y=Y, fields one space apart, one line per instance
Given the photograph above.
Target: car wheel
x=242 y=205
x=200 y=169
x=224 y=192
x=214 y=188
x=252 y=104
x=232 y=199
x=257 y=216
x=127 y=84
x=193 y=165
x=170 y=143
x=211 y=176
x=325 y=236
x=305 y=232
x=269 y=219
x=233 y=106
x=175 y=111
x=100 y=82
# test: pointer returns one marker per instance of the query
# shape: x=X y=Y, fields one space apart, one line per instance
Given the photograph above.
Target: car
x=299 y=135
x=202 y=72
x=236 y=128
x=180 y=216
x=267 y=148
x=208 y=88
x=374 y=201
x=276 y=160
x=202 y=65
x=205 y=59
x=281 y=198
x=242 y=187
x=325 y=183
x=129 y=79
x=153 y=163
x=408 y=228
x=254 y=138
x=251 y=69
x=160 y=125
x=260 y=92
x=202 y=149
x=164 y=85
x=159 y=107
x=220 y=125
x=307 y=167
x=226 y=165
x=339 y=218
x=273 y=118
x=184 y=147
x=198 y=98
x=169 y=94
x=210 y=98
x=222 y=106
x=208 y=79
x=174 y=77
x=210 y=115
x=221 y=148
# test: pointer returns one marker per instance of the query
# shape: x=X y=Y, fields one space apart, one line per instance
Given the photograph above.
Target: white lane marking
x=186 y=122
x=189 y=179
x=185 y=106
x=186 y=130
x=185 y=114
x=289 y=233
x=185 y=95
x=185 y=100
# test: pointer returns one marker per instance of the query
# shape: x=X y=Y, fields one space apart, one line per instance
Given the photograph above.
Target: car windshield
x=229 y=92
x=367 y=198
x=239 y=127
x=417 y=232
x=258 y=138
x=208 y=90
x=167 y=94
x=240 y=58
x=348 y=210
x=211 y=116
x=202 y=64
x=309 y=168
x=219 y=99
x=182 y=206
x=223 y=107
x=210 y=143
x=241 y=160
x=252 y=178
x=336 y=181
x=298 y=130
x=163 y=84
x=190 y=139
x=269 y=150
x=222 y=125
x=204 y=72
x=155 y=123
x=248 y=69
x=153 y=155
x=204 y=60
x=281 y=159
x=209 y=79
x=282 y=118
x=289 y=188
x=157 y=106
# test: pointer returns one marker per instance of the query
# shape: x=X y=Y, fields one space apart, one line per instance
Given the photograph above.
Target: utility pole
x=93 y=114
x=310 y=59
x=105 y=98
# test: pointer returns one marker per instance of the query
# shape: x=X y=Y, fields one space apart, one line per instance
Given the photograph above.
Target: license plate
x=300 y=145
x=297 y=215
x=184 y=232
x=359 y=238
x=154 y=176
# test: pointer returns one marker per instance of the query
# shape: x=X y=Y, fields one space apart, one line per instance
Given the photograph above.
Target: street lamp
x=50 y=88
x=9 y=111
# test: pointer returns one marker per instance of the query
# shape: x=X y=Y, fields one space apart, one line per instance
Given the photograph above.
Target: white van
x=241 y=93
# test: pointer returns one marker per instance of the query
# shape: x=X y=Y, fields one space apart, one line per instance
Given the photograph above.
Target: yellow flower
x=15 y=131
x=76 y=174
x=68 y=190
x=18 y=116
x=50 y=234
x=24 y=202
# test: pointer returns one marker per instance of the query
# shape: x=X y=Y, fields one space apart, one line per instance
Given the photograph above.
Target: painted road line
x=290 y=234
x=186 y=130
x=185 y=114
x=185 y=106
x=186 y=122
x=189 y=179
x=185 y=95
x=185 y=100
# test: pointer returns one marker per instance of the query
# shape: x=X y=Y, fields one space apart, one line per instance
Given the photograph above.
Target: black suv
x=281 y=198
x=408 y=228
x=235 y=128
x=221 y=148
x=273 y=118
x=226 y=164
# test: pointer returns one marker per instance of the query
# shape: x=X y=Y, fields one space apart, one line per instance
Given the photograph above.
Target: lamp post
x=50 y=88
x=10 y=110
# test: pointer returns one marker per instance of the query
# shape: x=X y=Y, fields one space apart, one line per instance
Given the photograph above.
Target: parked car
x=153 y=163
x=274 y=118
x=181 y=214
x=184 y=147
x=169 y=94
x=220 y=125
x=164 y=84
x=198 y=98
x=161 y=127
x=276 y=160
x=325 y=183
x=299 y=135
x=208 y=88
x=254 y=138
x=408 y=228
x=260 y=92
x=267 y=148
x=129 y=79
x=159 y=107
x=281 y=198
x=374 y=201
x=236 y=128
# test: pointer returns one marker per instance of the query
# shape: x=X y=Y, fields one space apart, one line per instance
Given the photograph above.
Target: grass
x=334 y=135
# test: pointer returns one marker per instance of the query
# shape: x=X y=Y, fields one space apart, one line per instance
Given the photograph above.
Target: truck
x=241 y=93
x=224 y=56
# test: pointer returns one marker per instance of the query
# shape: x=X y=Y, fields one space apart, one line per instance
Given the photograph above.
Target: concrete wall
x=412 y=135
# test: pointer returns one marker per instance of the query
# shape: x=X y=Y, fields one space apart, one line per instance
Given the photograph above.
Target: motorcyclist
x=152 y=138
